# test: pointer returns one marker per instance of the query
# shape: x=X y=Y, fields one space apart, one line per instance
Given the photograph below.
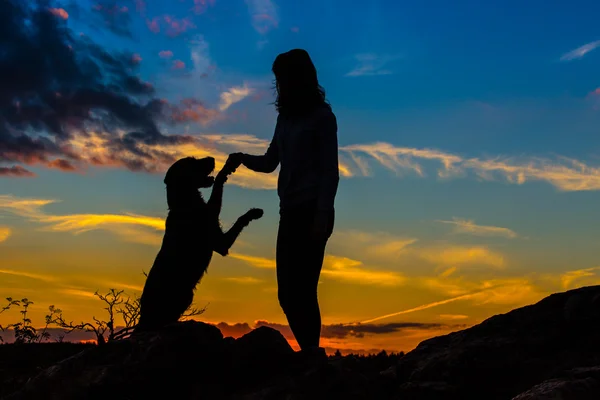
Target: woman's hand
x=234 y=161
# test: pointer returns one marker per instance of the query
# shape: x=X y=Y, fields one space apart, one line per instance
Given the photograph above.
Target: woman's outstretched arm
x=265 y=163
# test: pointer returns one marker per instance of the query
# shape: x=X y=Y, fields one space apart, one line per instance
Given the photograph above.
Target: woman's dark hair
x=296 y=83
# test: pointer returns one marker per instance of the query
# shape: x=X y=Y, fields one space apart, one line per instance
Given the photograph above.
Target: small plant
x=24 y=331
x=117 y=304
x=7 y=307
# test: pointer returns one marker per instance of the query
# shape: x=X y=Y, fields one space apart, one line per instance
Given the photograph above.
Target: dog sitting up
x=193 y=231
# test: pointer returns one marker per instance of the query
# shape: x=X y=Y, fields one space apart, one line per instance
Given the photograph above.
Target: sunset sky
x=469 y=153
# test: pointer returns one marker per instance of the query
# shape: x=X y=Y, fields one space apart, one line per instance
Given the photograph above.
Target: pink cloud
x=295 y=29
x=165 y=54
x=173 y=26
x=153 y=25
x=136 y=59
x=59 y=12
x=200 y=6
x=596 y=92
x=178 y=64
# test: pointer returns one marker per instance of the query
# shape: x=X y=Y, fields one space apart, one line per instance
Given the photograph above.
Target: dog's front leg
x=225 y=240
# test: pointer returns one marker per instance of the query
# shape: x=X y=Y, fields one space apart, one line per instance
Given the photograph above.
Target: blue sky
x=468 y=134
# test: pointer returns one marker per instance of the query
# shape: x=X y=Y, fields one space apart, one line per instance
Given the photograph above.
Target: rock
x=578 y=384
x=184 y=360
x=508 y=354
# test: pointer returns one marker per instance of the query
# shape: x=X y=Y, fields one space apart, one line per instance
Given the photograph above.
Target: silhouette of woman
x=305 y=145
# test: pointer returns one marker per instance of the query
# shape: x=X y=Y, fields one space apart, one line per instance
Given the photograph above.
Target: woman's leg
x=299 y=263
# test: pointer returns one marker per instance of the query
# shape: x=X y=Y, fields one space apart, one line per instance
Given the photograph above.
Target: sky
x=468 y=142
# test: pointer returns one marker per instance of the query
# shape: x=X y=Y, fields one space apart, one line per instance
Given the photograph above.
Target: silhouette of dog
x=193 y=231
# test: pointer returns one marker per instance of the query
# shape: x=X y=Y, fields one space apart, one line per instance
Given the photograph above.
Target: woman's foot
x=312 y=357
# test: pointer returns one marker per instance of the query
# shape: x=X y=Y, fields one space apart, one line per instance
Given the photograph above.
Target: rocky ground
x=549 y=350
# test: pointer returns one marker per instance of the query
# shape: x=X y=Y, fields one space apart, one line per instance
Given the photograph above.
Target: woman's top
x=307 y=149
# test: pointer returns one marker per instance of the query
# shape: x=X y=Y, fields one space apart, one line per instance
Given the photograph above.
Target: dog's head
x=191 y=173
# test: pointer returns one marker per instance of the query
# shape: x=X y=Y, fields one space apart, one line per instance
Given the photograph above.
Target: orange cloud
x=461 y=255
x=5 y=232
x=16 y=171
x=61 y=164
x=59 y=12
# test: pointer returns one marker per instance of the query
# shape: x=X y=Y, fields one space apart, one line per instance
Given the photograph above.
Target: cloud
x=338 y=268
x=461 y=255
x=295 y=29
x=353 y=271
x=68 y=89
x=165 y=54
x=369 y=64
x=425 y=306
x=16 y=171
x=5 y=233
x=30 y=275
x=113 y=16
x=469 y=227
x=264 y=15
x=563 y=173
x=244 y=280
x=453 y=317
x=580 y=51
x=258 y=262
x=120 y=224
x=59 y=12
x=170 y=25
x=136 y=58
x=178 y=64
x=78 y=293
x=234 y=95
x=374 y=244
x=570 y=279
x=200 y=6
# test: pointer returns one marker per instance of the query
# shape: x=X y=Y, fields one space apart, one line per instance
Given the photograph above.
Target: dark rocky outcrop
x=509 y=353
x=549 y=350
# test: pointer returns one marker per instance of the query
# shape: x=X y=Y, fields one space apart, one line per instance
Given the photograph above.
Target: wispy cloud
x=570 y=279
x=120 y=224
x=258 y=262
x=234 y=95
x=5 y=233
x=461 y=256
x=469 y=227
x=244 y=280
x=373 y=244
x=264 y=15
x=353 y=271
x=370 y=64
x=338 y=268
x=16 y=171
x=30 y=275
x=580 y=51
x=563 y=173
x=78 y=293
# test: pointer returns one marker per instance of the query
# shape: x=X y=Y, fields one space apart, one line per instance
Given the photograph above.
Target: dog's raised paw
x=255 y=213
